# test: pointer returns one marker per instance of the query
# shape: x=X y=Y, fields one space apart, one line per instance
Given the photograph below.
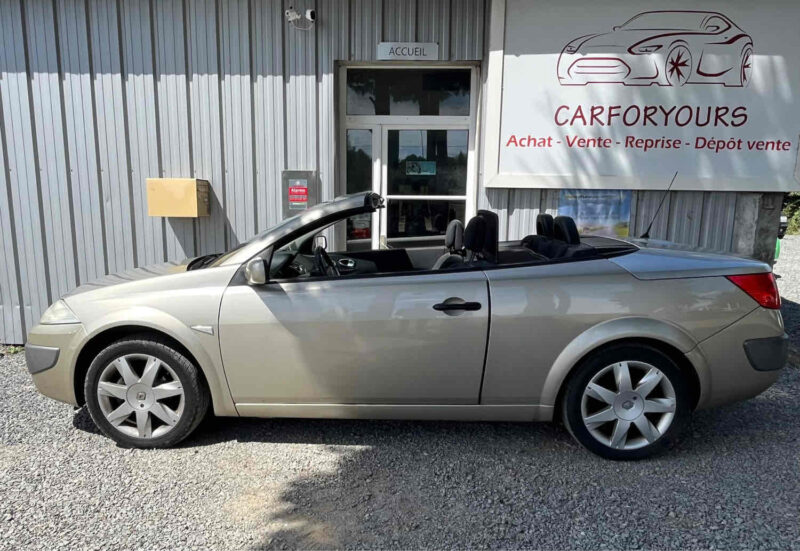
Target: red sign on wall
x=298 y=197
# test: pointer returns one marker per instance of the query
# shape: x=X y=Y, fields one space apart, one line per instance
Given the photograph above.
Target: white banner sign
x=622 y=95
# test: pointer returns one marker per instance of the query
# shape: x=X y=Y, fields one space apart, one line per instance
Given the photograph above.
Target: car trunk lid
x=665 y=260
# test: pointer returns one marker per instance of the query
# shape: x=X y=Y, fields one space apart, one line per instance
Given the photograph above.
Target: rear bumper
x=768 y=353
x=733 y=372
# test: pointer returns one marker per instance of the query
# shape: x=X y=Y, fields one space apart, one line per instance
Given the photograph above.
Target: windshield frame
x=317 y=216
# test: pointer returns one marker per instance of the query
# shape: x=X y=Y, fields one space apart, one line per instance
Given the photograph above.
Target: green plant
x=791 y=208
x=14 y=349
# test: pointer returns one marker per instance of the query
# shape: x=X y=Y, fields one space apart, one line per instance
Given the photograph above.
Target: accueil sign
x=408 y=51
x=623 y=97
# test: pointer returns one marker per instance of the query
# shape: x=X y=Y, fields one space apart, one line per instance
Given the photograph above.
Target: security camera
x=292 y=15
x=311 y=15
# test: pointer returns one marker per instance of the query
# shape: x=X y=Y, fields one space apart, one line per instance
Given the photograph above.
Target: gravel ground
x=248 y=484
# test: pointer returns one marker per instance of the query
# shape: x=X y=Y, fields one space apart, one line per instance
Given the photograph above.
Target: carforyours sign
x=622 y=95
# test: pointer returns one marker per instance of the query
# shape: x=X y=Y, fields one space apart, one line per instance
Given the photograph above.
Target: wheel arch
x=664 y=336
x=100 y=339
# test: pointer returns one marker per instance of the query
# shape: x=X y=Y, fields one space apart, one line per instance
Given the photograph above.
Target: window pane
x=427 y=162
x=359 y=226
x=410 y=92
x=421 y=217
x=359 y=160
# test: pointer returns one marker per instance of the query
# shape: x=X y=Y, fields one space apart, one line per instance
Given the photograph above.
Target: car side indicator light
x=760 y=287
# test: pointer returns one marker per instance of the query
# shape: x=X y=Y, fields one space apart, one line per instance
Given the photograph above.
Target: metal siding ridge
x=205 y=114
x=20 y=166
x=366 y=28
x=137 y=47
x=433 y=24
x=12 y=326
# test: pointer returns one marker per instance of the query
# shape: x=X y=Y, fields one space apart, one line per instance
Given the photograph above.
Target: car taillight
x=760 y=287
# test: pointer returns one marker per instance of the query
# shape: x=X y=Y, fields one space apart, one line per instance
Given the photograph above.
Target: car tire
x=678 y=65
x=143 y=393
x=632 y=417
x=746 y=67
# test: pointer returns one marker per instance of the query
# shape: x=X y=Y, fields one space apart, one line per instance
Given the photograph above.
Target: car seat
x=454 y=243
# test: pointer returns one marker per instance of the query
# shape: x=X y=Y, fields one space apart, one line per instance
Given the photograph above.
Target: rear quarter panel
x=545 y=318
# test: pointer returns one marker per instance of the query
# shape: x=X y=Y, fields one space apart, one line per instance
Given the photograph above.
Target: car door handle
x=451 y=306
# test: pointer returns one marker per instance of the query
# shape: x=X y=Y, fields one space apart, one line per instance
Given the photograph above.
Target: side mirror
x=255 y=272
x=320 y=242
x=712 y=28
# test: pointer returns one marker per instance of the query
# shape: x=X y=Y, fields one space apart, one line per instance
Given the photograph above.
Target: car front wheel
x=143 y=393
x=627 y=402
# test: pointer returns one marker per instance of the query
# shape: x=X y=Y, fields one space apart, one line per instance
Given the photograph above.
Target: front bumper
x=51 y=352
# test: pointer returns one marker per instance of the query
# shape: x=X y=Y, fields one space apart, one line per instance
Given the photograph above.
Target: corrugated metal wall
x=97 y=95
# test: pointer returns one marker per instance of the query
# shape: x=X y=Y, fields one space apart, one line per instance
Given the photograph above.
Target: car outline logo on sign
x=664 y=47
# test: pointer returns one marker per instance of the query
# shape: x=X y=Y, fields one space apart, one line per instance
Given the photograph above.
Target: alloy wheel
x=628 y=405
x=140 y=396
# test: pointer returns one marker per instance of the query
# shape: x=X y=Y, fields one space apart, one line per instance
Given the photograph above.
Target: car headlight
x=58 y=314
x=648 y=49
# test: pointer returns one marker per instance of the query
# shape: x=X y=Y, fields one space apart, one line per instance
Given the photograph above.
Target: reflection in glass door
x=425 y=184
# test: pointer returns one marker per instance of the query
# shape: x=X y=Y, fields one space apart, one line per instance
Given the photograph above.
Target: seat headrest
x=475 y=235
x=545 y=226
x=492 y=241
x=454 y=237
x=566 y=230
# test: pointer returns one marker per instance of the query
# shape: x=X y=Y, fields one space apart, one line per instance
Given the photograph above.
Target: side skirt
x=402 y=411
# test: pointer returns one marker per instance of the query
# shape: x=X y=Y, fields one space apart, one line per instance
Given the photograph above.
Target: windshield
x=665 y=20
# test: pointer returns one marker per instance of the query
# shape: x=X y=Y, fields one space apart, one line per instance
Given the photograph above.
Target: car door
x=401 y=339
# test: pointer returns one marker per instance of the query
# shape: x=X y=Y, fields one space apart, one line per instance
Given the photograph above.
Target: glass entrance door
x=424 y=183
x=408 y=134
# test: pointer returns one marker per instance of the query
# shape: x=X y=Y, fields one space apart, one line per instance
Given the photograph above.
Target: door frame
x=381 y=124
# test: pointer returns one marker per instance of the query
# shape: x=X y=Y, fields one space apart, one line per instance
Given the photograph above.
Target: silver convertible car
x=619 y=340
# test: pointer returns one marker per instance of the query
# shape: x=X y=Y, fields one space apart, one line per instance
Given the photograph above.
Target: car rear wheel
x=627 y=402
x=746 y=68
x=143 y=393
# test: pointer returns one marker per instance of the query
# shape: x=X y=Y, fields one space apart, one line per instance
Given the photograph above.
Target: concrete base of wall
x=756 y=229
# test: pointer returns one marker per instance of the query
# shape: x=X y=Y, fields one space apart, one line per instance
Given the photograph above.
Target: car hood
x=136 y=274
x=616 y=39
